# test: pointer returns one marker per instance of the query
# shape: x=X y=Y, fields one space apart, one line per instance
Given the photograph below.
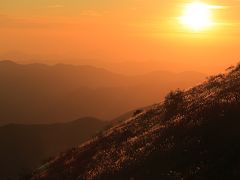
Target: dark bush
x=139 y=111
x=172 y=101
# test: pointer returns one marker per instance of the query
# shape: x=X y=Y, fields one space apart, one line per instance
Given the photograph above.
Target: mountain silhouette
x=192 y=134
x=38 y=93
x=24 y=147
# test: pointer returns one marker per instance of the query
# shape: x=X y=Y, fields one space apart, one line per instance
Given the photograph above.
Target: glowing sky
x=107 y=32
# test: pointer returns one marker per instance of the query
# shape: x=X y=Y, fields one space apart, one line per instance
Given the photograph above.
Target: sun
x=197 y=16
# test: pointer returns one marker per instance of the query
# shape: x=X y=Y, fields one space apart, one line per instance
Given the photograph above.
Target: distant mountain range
x=24 y=147
x=38 y=93
x=193 y=134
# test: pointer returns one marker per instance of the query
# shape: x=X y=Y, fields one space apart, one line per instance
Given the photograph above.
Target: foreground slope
x=193 y=134
x=24 y=147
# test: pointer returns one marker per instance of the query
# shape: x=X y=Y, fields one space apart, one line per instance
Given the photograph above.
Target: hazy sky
x=118 y=35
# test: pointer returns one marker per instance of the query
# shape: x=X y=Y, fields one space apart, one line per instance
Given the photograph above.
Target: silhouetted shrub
x=230 y=68
x=172 y=101
x=139 y=111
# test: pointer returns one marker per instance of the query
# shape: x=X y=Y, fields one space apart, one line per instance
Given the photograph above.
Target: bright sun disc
x=197 y=16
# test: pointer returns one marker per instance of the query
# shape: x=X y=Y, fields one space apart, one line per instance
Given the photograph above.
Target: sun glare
x=197 y=16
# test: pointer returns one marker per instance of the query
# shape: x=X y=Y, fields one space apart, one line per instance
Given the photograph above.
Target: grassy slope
x=194 y=134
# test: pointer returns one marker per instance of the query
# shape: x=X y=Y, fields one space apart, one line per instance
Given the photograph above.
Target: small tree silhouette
x=137 y=112
x=172 y=101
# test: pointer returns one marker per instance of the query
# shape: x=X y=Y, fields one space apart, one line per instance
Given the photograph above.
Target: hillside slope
x=193 y=134
x=24 y=147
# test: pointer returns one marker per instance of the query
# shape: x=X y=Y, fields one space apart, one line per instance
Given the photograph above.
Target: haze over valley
x=38 y=93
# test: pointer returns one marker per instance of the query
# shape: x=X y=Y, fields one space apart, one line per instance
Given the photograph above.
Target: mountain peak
x=7 y=62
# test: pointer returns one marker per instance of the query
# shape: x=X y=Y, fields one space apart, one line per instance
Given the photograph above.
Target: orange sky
x=118 y=35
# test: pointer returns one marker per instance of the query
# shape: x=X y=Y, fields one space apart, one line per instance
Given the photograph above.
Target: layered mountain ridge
x=25 y=147
x=38 y=93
